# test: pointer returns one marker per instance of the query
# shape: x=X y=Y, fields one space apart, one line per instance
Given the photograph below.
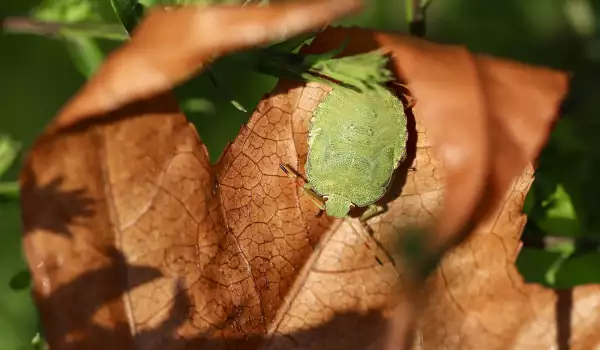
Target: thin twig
x=415 y=15
x=29 y=26
x=25 y=25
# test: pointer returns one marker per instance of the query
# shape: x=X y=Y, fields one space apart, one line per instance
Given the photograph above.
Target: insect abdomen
x=361 y=137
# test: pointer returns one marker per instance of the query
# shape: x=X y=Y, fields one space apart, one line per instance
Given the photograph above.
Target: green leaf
x=225 y=89
x=565 y=197
x=198 y=105
x=9 y=148
x=74 y=11
x=79 y=21
x=84 y=18
x=85 y=54
x=293 y=44
x=578 y=270
x=530 y=201
x=38 y=341
x=68 y=11
x=539 y=266
x=315 y=59
x=129 y=13
x=556 y=214
x=563 y=268
x=363 y=71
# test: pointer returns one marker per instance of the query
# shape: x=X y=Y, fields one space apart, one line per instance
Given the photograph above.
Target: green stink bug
x=356 y=141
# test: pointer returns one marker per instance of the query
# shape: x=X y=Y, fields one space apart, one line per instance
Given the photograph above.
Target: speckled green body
x=356 y=141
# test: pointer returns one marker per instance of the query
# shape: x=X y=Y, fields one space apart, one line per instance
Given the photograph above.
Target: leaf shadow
x=62 y=207
x=68 y=310
x=67 y=314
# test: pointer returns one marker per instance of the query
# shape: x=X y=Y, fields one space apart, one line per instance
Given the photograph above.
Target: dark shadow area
x=534 y=237
x=583 y=88
x=401 y=173
x=20 y=280
x=61 y=208
x=219 y=126
x=67 y=313
x=506 y=29
x=564 y=305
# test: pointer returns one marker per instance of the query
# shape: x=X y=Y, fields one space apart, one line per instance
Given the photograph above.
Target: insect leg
x=372 y=211
x=411 y=101
x=315 y=197
x=305 y=187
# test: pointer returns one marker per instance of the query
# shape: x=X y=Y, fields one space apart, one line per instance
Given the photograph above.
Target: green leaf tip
x=129 y=13
x=293 y=44
x=555 y=213
x=85 y=54
x=225 y=89
x=363 y=71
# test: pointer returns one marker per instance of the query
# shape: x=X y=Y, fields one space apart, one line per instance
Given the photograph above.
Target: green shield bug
x=356 y=141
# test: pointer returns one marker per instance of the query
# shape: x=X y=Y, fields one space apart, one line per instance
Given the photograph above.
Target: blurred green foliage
x=70 y=11
x=562 y=235
x=39 y=74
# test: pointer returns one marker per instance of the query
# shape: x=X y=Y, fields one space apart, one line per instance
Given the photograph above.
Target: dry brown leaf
x=486 y=119
x=136 y=242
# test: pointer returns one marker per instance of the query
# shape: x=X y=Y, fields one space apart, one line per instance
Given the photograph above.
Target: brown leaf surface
x=136 y=242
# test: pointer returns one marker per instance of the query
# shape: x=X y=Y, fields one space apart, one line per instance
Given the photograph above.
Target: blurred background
x=37 y=76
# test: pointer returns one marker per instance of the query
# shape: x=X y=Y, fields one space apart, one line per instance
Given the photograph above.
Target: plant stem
x=25 y=25
x=415 y=16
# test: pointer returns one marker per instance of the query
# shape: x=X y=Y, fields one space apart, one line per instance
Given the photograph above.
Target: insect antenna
x=371 y=236
x=301 y=183
x=378 y=246
x=291 y=175
x=407 y=93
